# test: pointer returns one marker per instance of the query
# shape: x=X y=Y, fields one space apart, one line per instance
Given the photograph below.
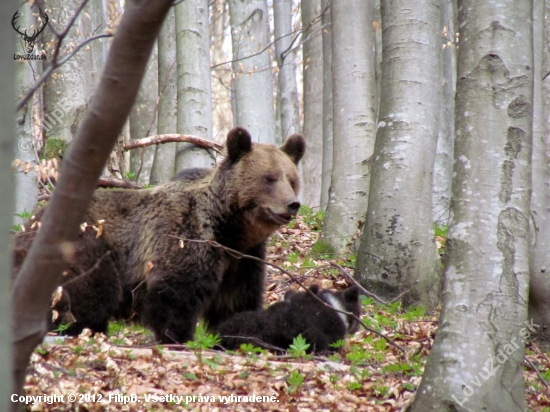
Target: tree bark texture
x=397 y=252
x=84 y=161
x=326 y=168
x=476 y=362
x=312 y=51
x=194 y=87
x=354 y=120
x=253 y=80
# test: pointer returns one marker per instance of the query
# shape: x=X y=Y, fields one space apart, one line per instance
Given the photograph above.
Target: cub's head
x=264 y=179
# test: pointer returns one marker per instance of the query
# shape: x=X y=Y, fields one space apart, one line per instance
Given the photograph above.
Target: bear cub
x=298 y=313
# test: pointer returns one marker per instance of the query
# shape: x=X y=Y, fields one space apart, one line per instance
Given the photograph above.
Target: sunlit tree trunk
x=253 y=81
x=443 y=167
x=476 y=362
x=354 y=121
x=312 y=50
x=194 y=88
x=286 y=60
x=7 y=107
x=397 y=252
x=326 y=170
x=164 y=163
x=539 y=285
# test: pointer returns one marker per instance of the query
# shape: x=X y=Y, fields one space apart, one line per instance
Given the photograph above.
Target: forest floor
x=125 y=371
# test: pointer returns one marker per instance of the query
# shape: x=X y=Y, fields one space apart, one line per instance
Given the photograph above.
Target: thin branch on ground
x=169 y=138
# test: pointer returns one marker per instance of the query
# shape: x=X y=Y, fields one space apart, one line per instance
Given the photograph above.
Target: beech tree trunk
x=397 y=252
x=7 y=108
x=83 y=164
x=476 y=362
x=194 y=88
x=326 y=172
x=164 y=163
x=354 y=121
x=253 y=80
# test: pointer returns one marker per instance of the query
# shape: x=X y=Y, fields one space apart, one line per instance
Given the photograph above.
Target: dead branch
x=171 y=138
x=349 y=277
x=238 y=255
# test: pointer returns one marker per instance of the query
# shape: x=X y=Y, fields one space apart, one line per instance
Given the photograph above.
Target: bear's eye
x=293 y=183
x=270 y=179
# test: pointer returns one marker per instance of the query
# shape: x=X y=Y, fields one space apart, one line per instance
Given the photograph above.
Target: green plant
x=414 y=312
x=78 y=349
x=313 y=220
x=354 y=385
x=338 y=344
x=62 y=327
x=250 y=349
x=295 y=381
x=115 y=328
x=53 y=148
x=298 y=347
x=129 y=175
x=293 y=257
x=203 y=340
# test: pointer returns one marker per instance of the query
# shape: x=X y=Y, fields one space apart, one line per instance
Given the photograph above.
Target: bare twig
x=238 y=255
x=532 y=365
x=168 y=138
x=365 y=291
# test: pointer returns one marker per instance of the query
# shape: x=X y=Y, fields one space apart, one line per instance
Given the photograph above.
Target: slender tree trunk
x=143 y=122
x=326 y=172
x=354 y=122
x=443 y=168
x=194 y=88
x=312 y=50
x=83 y=164
x=7 y=107
x=286 y=60
x=253 y=81
x=164 y=163
x=397 y=252
x=539 y=270
x=476 y=362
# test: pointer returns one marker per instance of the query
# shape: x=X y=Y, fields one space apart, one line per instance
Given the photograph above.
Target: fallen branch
x=170 y=138
x=238 y=255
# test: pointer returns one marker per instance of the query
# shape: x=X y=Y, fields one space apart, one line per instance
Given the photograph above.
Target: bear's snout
x=293 y=207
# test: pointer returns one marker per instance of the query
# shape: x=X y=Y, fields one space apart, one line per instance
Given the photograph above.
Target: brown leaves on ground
x=125 y=372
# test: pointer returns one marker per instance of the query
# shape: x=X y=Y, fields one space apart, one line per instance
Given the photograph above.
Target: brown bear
x=298 y=313
x=157 y=239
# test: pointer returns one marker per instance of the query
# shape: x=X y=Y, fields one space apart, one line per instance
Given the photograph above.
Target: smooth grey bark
x=164 y=163
x=443 y=167
x=286 y=61
x=312 y=52
x=143 y=122
x=194 y=87
x=326 y=169
x=253 y=81
x=397 y=252
x=83 y=164
x=7 y=108
x=26 y=181
x=354 y=121
x=68 y=91
x=476 y=362
x=539 y=263
x=377 y=28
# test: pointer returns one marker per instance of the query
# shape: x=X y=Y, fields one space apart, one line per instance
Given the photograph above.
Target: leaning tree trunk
x=312 y=50
x=7 y=107
x=284 y=50
x=397 y=253
x=164 y=163
x=194 y=88
x=476 y=362
x=253 y=81
x=83 y=164
x=539 y=284
x=354 y=121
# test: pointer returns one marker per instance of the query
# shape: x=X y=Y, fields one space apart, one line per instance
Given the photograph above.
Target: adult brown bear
x=169 y=283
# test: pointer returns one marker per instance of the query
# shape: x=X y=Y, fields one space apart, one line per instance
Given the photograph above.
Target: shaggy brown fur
x=168 y=284
x=298 y=313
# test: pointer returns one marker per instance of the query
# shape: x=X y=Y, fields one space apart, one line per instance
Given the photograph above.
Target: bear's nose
x=293 y=207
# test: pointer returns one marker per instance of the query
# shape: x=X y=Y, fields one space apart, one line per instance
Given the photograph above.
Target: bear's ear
x=314 y=288
x=289 y=294
x=294 y=147
x=351 y=294
x=238 y=143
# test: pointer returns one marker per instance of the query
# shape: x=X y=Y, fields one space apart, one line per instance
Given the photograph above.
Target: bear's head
x=264 y=179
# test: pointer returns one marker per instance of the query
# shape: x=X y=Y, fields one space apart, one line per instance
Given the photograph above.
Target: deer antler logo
x=29 y=40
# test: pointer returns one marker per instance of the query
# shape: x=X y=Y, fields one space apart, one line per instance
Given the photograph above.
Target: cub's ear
x=314 y=288
x=351 y=294
x=238 y=143
x=294 y=147
x=289 y=294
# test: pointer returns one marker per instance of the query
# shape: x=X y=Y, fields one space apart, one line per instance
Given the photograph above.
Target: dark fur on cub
x=169 y=287
x=298 y=313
